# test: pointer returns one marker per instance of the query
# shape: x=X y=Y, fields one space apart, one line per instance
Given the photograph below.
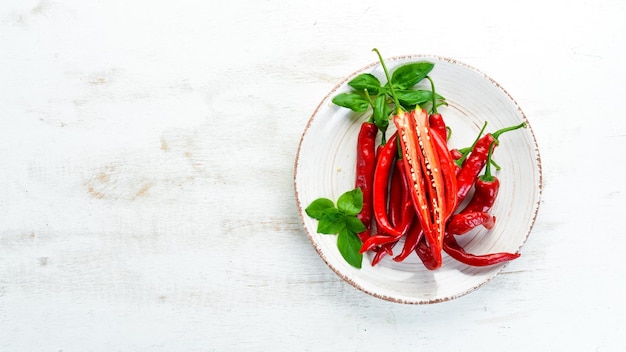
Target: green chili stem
x=493 y=162
x=432 y=88
x=487 y=177
x=497 y=133
x=468 y=150
x=393 y=94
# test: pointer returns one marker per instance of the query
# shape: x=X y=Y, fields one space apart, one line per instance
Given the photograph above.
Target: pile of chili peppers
x=414 y=185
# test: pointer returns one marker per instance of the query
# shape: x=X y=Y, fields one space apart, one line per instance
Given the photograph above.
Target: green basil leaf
x=318 y=207
x=332 y=222
x=408 y=75
x=354 y=224
x=365 y=81
x=351 y=101
x=381 y=113
x=351 y=202
x=409 y=97
x=349 y=246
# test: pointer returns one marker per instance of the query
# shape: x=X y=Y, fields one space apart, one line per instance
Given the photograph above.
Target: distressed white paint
x=146 y=174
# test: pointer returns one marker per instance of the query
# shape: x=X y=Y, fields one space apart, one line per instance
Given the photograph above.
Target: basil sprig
x=367 y=91
x=341 y=221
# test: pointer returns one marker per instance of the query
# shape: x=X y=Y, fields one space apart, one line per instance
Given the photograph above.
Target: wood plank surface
x=147 y=155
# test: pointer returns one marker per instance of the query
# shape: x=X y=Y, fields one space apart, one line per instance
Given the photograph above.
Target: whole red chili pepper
x=401 y=212
x=460 y=155
x=453 y=249
x=382 y=252
x=472 y=166
x=425 y=254
x=378 y=240
x=486 y=190
x=475 y=212
x=365 y=166
x=397 y=199
x=396 y=192
x=477 y=159
x=455 y=154
x=407 y=213
x=463 y=222
x=437 y=123
x=410 y=241
x=384 y=163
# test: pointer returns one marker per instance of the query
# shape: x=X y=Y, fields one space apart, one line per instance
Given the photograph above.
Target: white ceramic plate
x=325 y=167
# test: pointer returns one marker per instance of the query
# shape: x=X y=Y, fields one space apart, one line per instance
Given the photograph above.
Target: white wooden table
x=146 y=174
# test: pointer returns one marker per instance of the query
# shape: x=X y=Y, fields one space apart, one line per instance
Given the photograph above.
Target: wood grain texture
x=146 y=175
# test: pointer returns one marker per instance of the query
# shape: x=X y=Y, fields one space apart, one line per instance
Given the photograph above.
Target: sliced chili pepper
x=422 y=168
x=453 y=249
x=384 y=163
x=463 y=222
x=448 y=171
x=365 y=166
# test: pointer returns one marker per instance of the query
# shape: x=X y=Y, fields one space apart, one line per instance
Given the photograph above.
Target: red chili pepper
x=485 y=193
x=384 y=163
x=453 y=249
x=477 y=159
x=381 y=253
x=425 y=254
x=423 y=169
x=448 y=170
x=486 y=190
x=438 y=125
x=410 y=241
x=377 y=240
x=456 y=154
x=463 y=222
x=475 y=213
x=401 y=210
x=460 y=155
x=472 y=166
x=398 y=197
x=365 y=166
